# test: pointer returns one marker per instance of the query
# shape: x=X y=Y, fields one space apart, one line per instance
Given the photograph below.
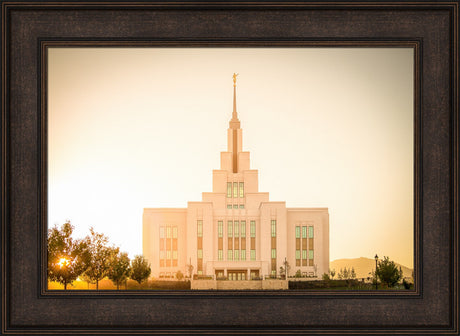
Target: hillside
x=362 y=266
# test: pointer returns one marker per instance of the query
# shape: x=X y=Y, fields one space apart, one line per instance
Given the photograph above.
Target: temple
x=235 y=232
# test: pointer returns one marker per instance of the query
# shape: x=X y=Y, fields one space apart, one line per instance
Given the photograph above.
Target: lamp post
x=376 y=259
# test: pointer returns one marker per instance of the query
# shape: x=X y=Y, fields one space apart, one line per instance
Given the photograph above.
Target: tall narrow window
x=220 y=240
x=162 y=231
x=297 y=231
x=253 y=229
x=241 y=189
x=243 y=228
x=229 y=189
x=304 y=232
x=230 y=255
x=243 y=254
x=174 y=232
x=237 y=255
x=200 y=254
x=200 y=228
x=310 y=258
x=168 y=232
x=304 y=254
x=229 y=229
x=235 y=189
x=273 y=228
x=220 y=228
x=273 y=245
x=236 y=230
x=310 y=232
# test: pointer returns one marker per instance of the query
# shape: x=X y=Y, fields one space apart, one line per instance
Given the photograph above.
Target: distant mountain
x=363 y=266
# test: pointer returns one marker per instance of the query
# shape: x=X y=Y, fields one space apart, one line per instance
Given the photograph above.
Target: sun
x=63 y=262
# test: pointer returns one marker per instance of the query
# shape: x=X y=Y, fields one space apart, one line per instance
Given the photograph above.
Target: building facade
x=236 y=232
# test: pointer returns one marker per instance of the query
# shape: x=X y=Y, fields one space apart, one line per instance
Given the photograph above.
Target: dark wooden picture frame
x=29 y=28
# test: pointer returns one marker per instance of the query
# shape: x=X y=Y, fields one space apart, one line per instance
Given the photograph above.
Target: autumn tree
x=99 y=256
x=87 y=279
x=119 y=268
x=140 y=269
x=67 y=257
x=388 y=272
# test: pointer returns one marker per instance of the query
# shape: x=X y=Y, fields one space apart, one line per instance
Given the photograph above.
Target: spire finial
x=234 y=78
x=234 y=123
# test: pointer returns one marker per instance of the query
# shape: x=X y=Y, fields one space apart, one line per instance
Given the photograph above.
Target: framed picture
x=33 y=35
x=166 y=103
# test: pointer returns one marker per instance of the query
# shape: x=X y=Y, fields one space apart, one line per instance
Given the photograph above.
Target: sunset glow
x=326 y=127
x=63 y=262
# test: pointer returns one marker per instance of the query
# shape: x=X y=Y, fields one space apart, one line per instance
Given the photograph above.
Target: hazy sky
x=144 y=127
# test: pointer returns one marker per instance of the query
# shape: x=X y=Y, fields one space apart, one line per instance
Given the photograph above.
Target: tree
x=140 y=269
x=99 y=256
x=346 y=273
x=190 y=270
x=119 y=268
x=86 y=279
x=332 y=273
x=388 y=272
x=326 y=277
x=179 y=275
x=298 y=274
x=285 y=270
x=67 y=257
x=340 y=274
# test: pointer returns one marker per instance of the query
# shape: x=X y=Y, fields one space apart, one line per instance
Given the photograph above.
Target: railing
x=274 y=277
x=222 y=278
x=203 y=277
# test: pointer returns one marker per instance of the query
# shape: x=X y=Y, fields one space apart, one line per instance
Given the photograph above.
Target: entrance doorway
x=220 y=274
x=236 y=275
x=254 y=274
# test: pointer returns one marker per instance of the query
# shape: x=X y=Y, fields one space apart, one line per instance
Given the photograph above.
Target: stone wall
x=269 y=284
x=203 y=284
x=275 y=284
x=242 y=284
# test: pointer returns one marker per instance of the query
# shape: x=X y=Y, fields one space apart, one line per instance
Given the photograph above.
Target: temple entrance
x=236 y=275
x=220 y=274
x=254 y=274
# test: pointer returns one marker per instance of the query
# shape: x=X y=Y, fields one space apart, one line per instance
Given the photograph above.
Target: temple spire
x=234 y=123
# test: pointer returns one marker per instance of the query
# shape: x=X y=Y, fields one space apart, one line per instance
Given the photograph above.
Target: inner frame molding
x=431 y=28
x=415 y=45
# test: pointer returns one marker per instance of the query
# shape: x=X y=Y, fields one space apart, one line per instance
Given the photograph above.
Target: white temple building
x=235 y=232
